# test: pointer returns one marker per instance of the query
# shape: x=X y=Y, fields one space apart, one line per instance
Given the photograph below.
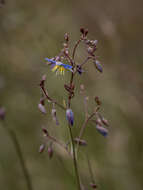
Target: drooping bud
x=103 y=131
x=42 y=101
x=94 y=42
x=42 y=148
x=45 y=131
x=97 y=100
x=80 y=142
x=42 y=108
x=103 y=120
x=82 y=30
x=66 y=37
x=98 y=66
x=54 y=115
x=86 y=32
x=98 y=121
x=50 y=151
x=70 y=116
x=2 y=113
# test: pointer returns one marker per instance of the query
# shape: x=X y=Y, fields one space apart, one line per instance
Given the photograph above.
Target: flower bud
x=66 y=36
x=80 y=142
x=98 y=66
x=45 y=131
x=54 y=115
x=42 y=148
x=42 y=108
x=50 y=151
x=97 y=100
x=70 y=116
x=103 y=131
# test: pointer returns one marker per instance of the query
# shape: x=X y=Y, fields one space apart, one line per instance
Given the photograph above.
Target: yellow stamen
x=55 y=68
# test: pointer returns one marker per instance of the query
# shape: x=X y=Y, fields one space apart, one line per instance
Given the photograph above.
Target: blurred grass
x=30 y=31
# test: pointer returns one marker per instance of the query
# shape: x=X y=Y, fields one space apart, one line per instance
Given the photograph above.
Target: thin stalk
x=90 y=170
x=74 y=159
x=16 y=144
x=52 y=100
x=58 y=143
x=75 y=47
x=83 y=128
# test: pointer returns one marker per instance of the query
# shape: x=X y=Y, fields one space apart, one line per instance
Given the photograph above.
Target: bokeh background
x=32 y=30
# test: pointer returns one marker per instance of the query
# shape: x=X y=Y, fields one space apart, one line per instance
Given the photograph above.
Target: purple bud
x=103 y=131
x=50 y=151
x=54 y=115
x=42 y=108
x=98 y=66
x=70 y=116
x=2 y=113
x=42 y=148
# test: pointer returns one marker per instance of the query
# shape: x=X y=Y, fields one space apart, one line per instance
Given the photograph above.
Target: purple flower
x=70 y=116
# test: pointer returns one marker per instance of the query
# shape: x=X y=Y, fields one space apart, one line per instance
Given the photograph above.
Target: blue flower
x=59 y=67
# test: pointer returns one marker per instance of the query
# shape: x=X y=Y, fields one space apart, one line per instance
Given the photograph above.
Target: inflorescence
x=59 y=65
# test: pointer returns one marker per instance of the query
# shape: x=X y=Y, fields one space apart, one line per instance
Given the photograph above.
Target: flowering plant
x=57 y=65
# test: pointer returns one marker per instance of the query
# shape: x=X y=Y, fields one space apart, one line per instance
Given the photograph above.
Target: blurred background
x=32 y=30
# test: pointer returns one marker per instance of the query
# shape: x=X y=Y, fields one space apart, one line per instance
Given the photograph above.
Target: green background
x=32 y=30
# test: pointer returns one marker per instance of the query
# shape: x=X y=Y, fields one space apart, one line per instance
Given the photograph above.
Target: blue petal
x=50 y=60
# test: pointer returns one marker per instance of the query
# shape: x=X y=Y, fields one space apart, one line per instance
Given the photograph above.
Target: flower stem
x=74 y=159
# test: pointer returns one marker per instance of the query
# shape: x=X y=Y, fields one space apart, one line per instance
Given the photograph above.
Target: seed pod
x=70 y=116
x=42 y=108
x=103 y=131
x=42 y=148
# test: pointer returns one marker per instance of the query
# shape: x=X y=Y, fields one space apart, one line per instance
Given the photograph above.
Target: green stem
x=74 y=158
